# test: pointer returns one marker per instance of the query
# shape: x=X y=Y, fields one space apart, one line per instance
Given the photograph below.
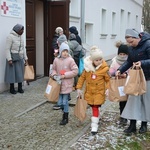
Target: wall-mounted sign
x=11 y=8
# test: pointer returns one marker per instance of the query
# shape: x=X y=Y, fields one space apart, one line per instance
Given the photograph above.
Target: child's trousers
x=63 y=102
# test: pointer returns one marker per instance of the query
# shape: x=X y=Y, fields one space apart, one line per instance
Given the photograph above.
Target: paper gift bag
x=142 y=87
x=116 y=90
x=52 y=90
x=80 y=109
x=28 y=72
x=135 y=83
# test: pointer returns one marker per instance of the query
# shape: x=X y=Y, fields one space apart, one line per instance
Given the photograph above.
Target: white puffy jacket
x=15 y=44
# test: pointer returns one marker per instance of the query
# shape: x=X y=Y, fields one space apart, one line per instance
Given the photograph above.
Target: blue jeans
x=63 y=102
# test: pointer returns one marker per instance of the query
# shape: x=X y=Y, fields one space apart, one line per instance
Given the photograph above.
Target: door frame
x=49 y=29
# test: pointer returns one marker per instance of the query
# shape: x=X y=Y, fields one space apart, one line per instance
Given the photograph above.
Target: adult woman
x=74 y=30
x=137 y=107
x=58 y=32
x=15 y=55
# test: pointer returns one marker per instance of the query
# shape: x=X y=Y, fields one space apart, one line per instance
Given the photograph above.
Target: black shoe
x=143 y=130
x=13 y=91
x=123 y=121
x=20 y=90
x=93 y=133
x=143 y=127
x=56 y=107
x=64 y=120
x=132 y=128
x=129 y=131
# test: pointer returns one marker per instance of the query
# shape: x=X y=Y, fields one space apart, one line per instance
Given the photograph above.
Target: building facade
x=99 y=23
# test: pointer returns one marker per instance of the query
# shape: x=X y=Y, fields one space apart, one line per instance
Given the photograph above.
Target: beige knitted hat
x=95 y=53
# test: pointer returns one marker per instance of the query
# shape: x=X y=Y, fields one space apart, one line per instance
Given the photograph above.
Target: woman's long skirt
x=14 y=73
x=138 y=107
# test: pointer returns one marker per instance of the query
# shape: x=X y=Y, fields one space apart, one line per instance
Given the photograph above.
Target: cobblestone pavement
x=39 y=129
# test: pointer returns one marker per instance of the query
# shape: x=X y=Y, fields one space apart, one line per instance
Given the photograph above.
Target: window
x=128 y=19
x=113 y=35
x=103 y=23
x=136 y=21
x=122 y=22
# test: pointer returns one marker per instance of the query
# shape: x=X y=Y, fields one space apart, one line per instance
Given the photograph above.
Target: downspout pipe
x=82 y=29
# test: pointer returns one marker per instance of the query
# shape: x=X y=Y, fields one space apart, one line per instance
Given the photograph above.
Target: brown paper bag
x=28 y=72
x=116 y=90
x=52 y=90
x=135 y=83
x=80 y=109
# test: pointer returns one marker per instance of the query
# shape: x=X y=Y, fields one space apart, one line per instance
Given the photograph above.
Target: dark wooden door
x=56 y=15
x=30 y=32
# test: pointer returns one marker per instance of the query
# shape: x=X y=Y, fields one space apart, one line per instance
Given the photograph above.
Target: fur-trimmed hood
x=88 y=66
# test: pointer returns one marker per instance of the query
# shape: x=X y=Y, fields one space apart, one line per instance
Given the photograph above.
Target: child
x=96 y=80
x=62 y=38
x=64 y=69
x=116 y=63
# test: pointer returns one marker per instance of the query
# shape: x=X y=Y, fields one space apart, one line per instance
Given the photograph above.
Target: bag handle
x=135 y=68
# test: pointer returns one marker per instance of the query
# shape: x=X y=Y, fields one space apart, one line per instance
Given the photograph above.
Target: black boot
x=122 y=106
x=64 y=119
x=123 y=121
x=143 y=127
x=12 y=89
x=20 y=90
x=132 y=127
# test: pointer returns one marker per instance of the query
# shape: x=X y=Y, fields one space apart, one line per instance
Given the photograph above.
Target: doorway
x=56 y=15
x=42 y=17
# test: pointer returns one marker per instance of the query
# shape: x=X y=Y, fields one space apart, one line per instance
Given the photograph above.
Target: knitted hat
x=58 y=30
x=62 y=38
x=72 y=36
x=73 y=29
x=63 y=47
x=131 y=33
x=95 y=53
x=18 y=27
x=123 y=49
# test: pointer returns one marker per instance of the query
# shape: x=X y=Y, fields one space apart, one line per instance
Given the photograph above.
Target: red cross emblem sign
x=4 y=7
x=11 y=8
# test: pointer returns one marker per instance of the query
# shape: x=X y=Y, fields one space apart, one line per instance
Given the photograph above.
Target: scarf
x=120 y=60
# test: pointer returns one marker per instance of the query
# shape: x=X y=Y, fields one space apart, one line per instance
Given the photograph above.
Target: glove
x=57 y=78
x=79 y=92
x=107 y=92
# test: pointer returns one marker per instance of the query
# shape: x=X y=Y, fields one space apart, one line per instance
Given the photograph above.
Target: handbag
x=29 y=72
x=135 y=83
x=15 y=56
x=80 y=109
x=116 y=90
x=52 y=90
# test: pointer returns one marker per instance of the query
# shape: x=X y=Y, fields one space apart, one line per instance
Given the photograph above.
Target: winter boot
x=132 y=128
x=64 y=120
x=12 y=89
x=94 y=125
x=20 y=90
x=143 y=127
x=123 y=121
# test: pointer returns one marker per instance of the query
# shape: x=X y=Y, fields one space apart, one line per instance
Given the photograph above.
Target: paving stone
x=39 y=128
